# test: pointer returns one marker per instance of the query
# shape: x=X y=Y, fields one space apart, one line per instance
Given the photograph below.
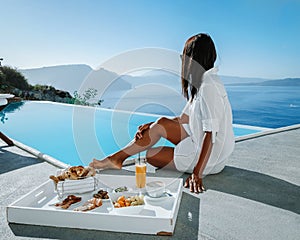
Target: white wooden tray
x=156 y=216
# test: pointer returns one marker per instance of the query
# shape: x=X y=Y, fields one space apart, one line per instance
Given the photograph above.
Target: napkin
x=77 y=186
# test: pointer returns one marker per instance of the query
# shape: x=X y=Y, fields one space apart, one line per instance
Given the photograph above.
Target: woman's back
x=211 y=111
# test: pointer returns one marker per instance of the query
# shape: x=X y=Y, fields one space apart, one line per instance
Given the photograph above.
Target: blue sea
x=261 y=106
x=265 y=106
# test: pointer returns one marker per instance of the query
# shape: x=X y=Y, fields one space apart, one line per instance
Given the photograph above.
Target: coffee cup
x=155 y=189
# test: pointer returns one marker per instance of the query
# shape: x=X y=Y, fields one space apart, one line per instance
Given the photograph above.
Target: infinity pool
x=76 y=134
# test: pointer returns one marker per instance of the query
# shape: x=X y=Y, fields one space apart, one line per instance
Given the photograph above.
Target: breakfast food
x=130 y=201
x=121 y=189
x=74 y=173
x=90 y=205
x=101 y=194
x=67 y=202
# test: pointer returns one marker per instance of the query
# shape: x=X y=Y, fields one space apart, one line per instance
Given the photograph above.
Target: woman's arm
x=194 y=182
x=204 y=155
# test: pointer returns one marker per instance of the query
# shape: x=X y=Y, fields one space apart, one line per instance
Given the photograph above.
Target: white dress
x=209 y=111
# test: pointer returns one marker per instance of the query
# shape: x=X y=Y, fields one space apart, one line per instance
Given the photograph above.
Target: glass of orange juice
x=140 y=172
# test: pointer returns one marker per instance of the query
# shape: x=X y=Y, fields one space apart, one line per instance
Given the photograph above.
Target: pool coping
x=59 y=164
x=40 y=155
x=101 y=108
x=267 y=132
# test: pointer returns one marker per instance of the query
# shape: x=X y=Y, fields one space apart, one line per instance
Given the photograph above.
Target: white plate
x=131 y=210
x=158 y=199
x=134 y=210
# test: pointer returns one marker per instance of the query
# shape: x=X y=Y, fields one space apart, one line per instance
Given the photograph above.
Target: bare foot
x=106 y=163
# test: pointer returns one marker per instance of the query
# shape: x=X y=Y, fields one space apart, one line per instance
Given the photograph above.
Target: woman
x=202 y=135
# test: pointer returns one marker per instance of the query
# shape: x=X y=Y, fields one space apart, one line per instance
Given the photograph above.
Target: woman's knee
x=163 y=121
x=162 y=126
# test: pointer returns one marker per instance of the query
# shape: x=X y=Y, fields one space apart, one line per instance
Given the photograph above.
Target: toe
x=93 y=163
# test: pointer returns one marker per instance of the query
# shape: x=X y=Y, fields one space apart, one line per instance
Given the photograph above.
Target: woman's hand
x=141 y=129
x=194 y=183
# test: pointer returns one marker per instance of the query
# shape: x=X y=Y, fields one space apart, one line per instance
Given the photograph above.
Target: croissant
x=74 y=173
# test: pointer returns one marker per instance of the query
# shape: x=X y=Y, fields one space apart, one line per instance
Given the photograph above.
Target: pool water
x=75 y=134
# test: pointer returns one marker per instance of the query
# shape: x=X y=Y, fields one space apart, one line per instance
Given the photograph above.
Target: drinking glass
x=140 y=172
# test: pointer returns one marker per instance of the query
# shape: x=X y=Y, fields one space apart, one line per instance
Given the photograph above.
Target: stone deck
x=255 y=197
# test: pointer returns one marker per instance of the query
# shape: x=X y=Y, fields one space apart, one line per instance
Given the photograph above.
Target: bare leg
x=161 y=157
x=163 y=127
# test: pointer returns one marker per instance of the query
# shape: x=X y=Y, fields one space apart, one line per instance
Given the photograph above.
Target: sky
x=254 y=38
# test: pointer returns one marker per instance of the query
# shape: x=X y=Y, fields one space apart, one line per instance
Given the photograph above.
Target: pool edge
x=101 y=108
x=267 y=132
x=40 y=155
x=59 y=164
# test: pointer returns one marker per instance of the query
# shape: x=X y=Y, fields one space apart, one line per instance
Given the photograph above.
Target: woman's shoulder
x=210 y=74
x=207 y=86
x=212 y=71
x=211 y=88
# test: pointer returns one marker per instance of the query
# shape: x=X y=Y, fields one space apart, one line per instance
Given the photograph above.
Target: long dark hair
x=199 y=55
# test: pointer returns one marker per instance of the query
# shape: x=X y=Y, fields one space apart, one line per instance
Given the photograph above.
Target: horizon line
x=93 y=69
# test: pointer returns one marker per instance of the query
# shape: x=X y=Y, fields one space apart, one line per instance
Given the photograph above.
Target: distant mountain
x=12 y=81
x=64 y=77
x=156 y=77
x=70 y=77
x=278 y=82
x=281 y=82
x=237 y=80
x=153 y=91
